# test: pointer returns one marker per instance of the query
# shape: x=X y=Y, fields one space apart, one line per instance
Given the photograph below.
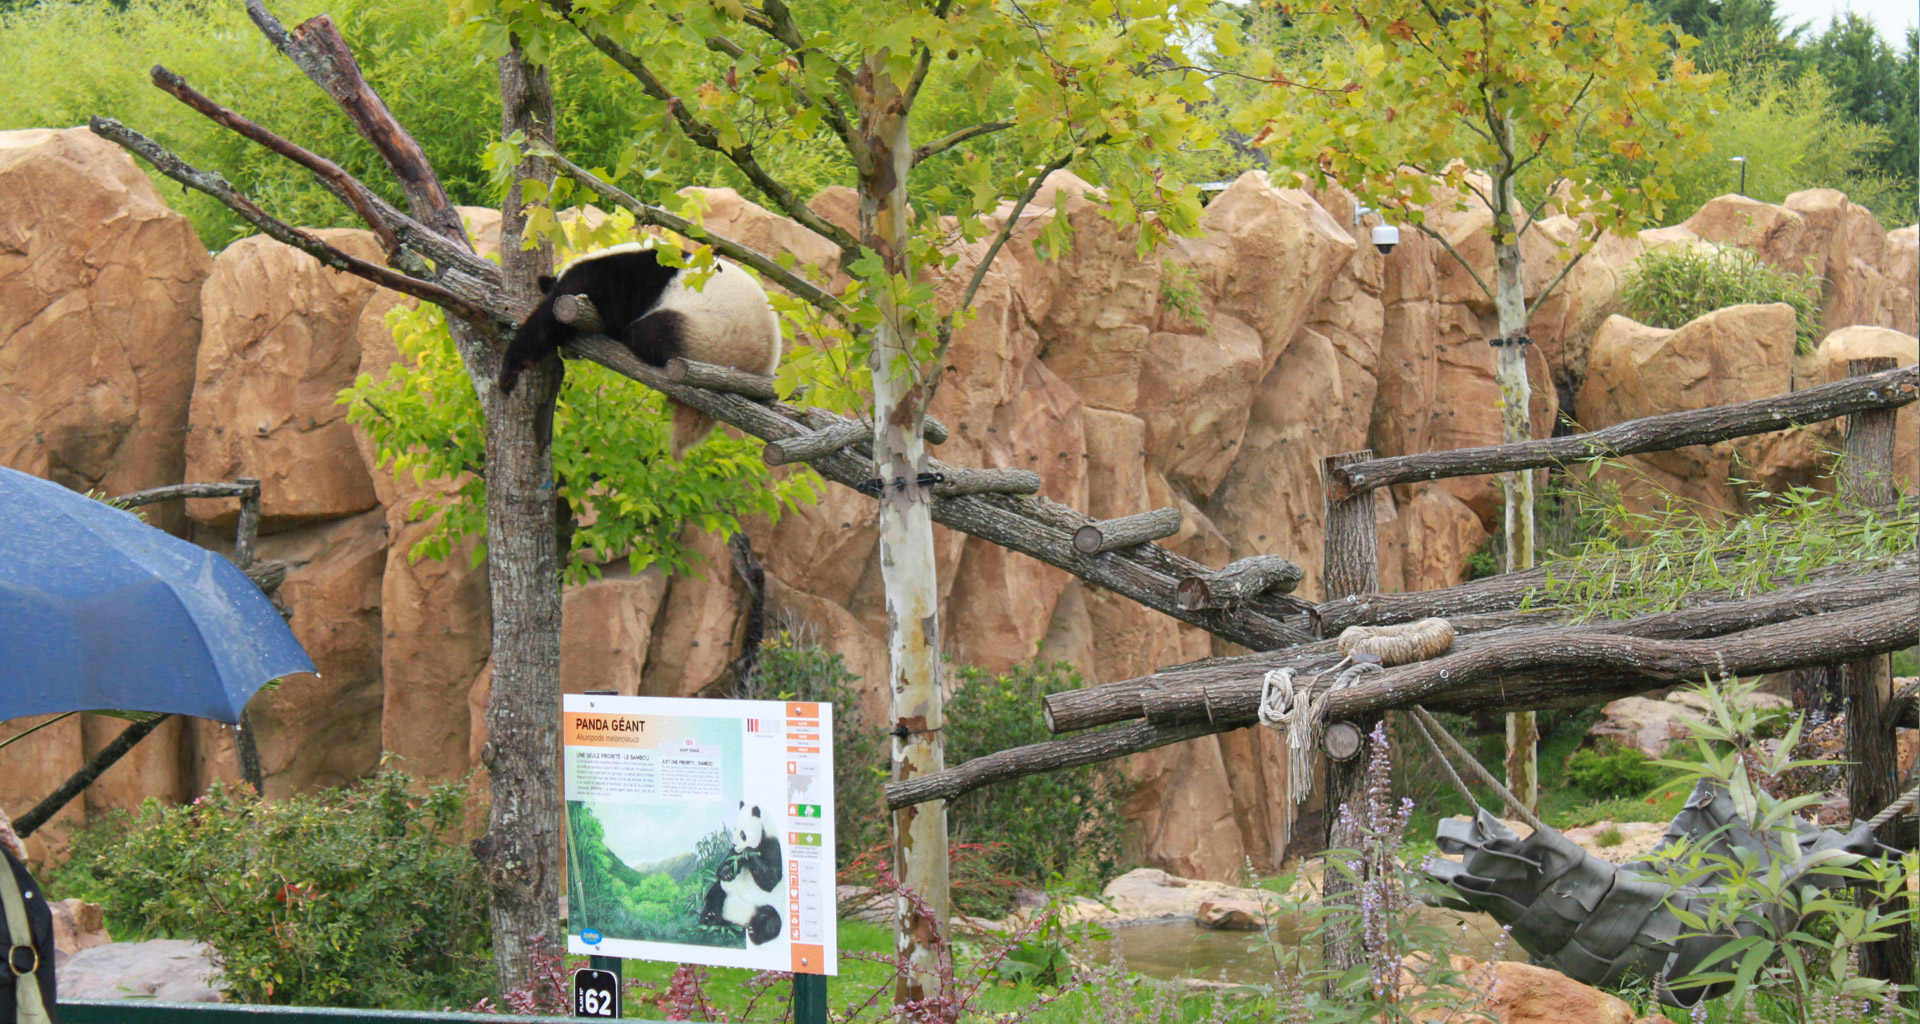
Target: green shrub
x=1676 y=283
x=1065 y=824
x=349 y=897
x=1612 y=771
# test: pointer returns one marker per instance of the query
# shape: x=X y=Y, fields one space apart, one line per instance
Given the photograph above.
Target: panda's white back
x=728 y=319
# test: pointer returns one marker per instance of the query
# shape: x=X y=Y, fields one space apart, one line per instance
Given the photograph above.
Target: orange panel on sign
x=809 y=959
x=593 y=729
x=802 y=709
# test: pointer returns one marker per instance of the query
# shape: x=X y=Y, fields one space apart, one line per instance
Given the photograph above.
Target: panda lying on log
x=747 y=890
x=651 y=308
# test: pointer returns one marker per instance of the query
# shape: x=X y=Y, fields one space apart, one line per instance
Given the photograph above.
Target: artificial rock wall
x=132 y=359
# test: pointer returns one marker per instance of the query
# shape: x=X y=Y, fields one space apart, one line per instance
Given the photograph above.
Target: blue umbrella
x=99 y=610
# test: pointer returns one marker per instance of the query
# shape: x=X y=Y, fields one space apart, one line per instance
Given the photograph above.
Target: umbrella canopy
x=98 y=610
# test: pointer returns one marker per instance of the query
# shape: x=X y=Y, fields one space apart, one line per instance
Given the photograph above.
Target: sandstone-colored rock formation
x=1846 y=246
x=282 y=338
x=1729 y=355
x=1211 y=376
x=325 y=730
x=1510 y=993
x=99 y=317
x=1773 y=232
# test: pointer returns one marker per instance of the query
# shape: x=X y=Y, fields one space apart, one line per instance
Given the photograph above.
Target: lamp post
x=1742 y=161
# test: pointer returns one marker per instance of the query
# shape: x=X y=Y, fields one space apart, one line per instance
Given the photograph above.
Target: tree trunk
x=1516 y=397
x=1352 y=566
x=521 y=851
x=1867 y=480
x=906 y=542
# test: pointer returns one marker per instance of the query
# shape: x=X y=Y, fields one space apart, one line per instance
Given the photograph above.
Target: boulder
x=1847 y=247
x=325 y=730
x=151 y=770
x=1774 y=233
x=99 y=317
x=164 y=970
x=1729 y=355
x=1649 y=725
x=1862 y=342
x=698 y=630
x=1229 y=915
x=1095 y=330
x=77 y=925
x=1194 y=398
x=607 y=627
x=1508 y=992
x=1441 y=532
x=282 y=338
x=810 y=620
x=1148 y=895
x=1903 y=279
x=760 y=229
x=33 y=767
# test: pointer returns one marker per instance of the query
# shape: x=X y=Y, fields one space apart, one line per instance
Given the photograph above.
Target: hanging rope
x=1894 y=809
x=1299 y=708
x=1427 y=722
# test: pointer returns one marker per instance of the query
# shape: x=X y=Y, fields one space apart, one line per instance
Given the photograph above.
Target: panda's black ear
x=756 y=810
x=545 y=281
x=743 y=805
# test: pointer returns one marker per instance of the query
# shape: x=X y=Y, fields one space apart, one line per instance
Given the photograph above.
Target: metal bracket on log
x=1126 y=531
x=1238 y=581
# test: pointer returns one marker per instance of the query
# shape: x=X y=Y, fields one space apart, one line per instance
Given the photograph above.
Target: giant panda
x=649 y=306
x=743 y=893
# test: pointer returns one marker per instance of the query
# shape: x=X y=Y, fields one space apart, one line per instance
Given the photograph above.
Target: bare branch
x=939 y=146
x=805 y=290
x=316 y=47
x=1541 y=299
x=345 y=185
x=1462 y=260
x=216 y=186
x=1000 y=237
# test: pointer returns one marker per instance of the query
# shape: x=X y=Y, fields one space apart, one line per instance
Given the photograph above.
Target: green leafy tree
x=1104 y=85
x=1539 y=98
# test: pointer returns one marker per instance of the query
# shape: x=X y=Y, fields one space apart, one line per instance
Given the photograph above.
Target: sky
x=1891 y=17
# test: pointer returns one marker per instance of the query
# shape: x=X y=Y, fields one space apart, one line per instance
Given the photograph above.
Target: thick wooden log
x=1567 y=671
x=721 y=378
x=1239 y=581
x=267 y=575
x=807 y=447
x=1885 y=390
x=1126 y=531
x=987 y=481
x=1226 y=689
x=1034 y=759
x=1032 y=526
x=247 y=531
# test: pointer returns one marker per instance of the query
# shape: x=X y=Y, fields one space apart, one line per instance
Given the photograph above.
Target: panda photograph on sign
x=684 y=842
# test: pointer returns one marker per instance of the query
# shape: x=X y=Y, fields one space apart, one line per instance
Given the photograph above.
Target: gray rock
x=167 y=970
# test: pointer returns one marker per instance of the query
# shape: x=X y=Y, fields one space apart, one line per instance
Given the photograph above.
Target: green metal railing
x=146 y=1011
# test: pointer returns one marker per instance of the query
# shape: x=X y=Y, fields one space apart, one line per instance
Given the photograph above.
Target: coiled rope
x=1299 y=709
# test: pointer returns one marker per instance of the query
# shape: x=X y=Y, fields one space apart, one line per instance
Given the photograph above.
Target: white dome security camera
x=1385 y=237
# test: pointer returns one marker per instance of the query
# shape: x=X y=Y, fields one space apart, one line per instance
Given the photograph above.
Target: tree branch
x=345 y=185
x=938 y=146
x=707 y=137
x=316 y=48
x=216 y=186
x=1541 y=298
x=1455 y=253
x=805 y=290
x=1000 y=237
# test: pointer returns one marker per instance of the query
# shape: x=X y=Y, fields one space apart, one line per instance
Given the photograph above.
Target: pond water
x=1170 y=950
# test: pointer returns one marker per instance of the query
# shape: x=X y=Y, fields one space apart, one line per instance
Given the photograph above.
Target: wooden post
x=1866 y=479
x=1352 y=567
